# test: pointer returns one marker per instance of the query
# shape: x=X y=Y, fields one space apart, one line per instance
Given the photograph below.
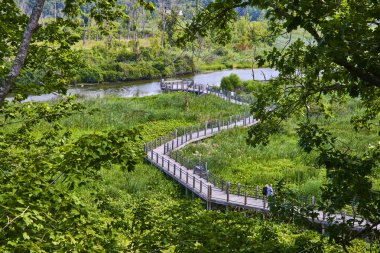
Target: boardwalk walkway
x=160 y=153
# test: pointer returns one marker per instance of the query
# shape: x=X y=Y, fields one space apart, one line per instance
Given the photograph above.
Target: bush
x=231 y=83
x=112 y=76
x=90 y=75
x=252 y=86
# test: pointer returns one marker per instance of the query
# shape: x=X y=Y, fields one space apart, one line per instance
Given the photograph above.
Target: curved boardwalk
x=198 y=180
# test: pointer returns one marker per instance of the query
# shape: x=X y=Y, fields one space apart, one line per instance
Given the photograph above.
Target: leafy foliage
x=342 y=60
x=231 y=82
x=40 y=171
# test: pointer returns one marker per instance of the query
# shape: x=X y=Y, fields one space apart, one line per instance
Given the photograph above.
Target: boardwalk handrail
x=199 y=186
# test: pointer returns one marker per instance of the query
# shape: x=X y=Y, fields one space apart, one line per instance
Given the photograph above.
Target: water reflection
x=152 y=87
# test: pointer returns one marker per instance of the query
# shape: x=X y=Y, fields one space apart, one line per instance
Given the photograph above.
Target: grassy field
x=227 y=154
x=229 y=157
x=153 y=115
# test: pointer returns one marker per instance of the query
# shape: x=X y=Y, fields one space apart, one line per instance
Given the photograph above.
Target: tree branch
x=369 y=78
x=15 y=218
x=8 y=83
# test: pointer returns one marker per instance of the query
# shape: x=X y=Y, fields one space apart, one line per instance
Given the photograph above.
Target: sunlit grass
x=229 y=157
x=167 y=110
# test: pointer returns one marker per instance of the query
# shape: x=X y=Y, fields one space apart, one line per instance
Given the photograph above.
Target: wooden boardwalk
x=183 y=85
x=160 y=153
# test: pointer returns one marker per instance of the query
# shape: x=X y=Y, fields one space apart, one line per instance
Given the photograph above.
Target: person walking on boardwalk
x=269 y=190
x=265 y=194
x=265 y=191
x=209 y=122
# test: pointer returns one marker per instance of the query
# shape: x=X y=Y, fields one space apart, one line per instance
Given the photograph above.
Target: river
x=152 y=87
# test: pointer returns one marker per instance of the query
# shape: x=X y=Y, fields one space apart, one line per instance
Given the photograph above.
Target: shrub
x=90 y=75
x=231 y=83
x=252 y=86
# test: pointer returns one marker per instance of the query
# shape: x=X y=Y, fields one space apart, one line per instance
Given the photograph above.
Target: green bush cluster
x=235 y=84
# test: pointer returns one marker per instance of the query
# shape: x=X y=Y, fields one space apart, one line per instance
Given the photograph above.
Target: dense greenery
x=342 y=60
x=62 y=174
x=121 y=210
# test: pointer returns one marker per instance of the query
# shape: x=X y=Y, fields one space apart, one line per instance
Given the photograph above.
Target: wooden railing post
x=245 y=198
x=238 y=189
x=257 y=192
x=157 y=158
x=228 y=191
x=187 y=177
x=200 y=186
x=193 y=182
x=162 y=161
x=174 y=169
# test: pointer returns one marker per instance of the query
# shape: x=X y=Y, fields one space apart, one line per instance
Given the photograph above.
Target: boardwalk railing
x=202 y=187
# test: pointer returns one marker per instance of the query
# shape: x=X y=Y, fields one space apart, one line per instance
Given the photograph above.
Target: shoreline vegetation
x=119 y=63
x=100 y=60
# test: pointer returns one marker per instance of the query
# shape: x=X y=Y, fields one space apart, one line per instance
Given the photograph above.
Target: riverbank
x=129 y=61
x=143 y=88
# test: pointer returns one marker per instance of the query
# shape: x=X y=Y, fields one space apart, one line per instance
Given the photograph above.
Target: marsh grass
x=153 y=116
x=173 y=110
x=229 y=157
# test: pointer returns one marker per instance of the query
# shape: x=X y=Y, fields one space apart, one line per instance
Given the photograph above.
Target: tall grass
x=229 y=157
x=160 y=113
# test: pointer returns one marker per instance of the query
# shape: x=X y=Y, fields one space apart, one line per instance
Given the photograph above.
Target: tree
x=342 y=61
x=41 y=164
x=231 y=83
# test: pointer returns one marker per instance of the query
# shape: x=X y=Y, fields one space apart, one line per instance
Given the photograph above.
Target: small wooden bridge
x=196 y=178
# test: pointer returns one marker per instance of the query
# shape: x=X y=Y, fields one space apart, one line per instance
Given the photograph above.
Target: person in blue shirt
x=270 y=190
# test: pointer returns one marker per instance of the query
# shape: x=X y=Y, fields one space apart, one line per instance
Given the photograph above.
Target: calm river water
x=152 y=87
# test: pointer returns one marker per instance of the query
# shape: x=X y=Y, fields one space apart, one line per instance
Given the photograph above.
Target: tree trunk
x=9 y=81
